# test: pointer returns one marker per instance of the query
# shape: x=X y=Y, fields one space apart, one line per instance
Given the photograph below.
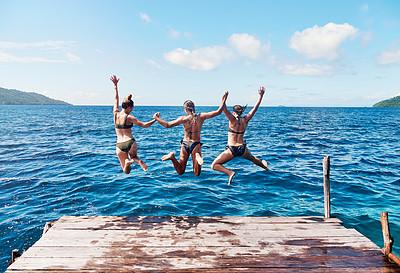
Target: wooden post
x=326 y=163
x=388 y=240
x=14 y=255
x=47 y=226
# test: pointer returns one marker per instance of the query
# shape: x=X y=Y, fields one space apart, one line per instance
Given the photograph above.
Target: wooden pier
x=201 y=244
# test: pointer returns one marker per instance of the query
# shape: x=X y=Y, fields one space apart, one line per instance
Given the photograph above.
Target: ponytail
x=238 y=109
x=189 y=105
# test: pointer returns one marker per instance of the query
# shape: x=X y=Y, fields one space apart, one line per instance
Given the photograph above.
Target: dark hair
x=128 y=102
x=238 y=109
x=190 y=106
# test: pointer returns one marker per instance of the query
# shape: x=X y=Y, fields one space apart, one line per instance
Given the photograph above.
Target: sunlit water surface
x=60 y=160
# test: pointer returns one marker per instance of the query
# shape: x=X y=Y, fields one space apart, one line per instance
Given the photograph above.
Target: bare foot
x=265 y=164
x=143 y=165
x=168 y=156
x=231 y=177
x=127 y=167
x=199 y=159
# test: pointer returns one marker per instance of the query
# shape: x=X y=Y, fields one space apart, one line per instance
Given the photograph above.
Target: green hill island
x=16 y=97
x=393 y=102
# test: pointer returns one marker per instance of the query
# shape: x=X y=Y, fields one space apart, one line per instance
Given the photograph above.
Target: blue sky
x=306 y=53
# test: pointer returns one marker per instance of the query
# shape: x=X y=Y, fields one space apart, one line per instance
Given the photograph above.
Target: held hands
x=114 y=79
x=156 y=115
x=261 y=91
x=225 y=96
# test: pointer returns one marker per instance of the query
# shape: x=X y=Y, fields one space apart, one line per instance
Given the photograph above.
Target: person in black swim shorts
x=191 y=144
x=126 y=144
x=236 y=144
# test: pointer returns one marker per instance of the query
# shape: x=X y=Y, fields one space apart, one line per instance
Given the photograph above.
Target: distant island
x=393 y=102
x=16 y=97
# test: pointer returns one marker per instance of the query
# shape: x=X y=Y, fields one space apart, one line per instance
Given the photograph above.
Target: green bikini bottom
x=126 y=145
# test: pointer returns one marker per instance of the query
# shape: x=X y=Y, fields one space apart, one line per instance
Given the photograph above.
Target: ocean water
x=60 y=160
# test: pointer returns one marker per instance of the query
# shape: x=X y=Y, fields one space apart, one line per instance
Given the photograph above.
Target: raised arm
x=261 y=92
x=228 y=114
x=116 y=97
x=219 y=111
x=165 y=124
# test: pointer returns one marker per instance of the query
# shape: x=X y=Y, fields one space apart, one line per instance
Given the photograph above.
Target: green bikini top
x=122 y=126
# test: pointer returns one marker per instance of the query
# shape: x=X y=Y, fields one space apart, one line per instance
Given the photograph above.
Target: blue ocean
x=60 y=160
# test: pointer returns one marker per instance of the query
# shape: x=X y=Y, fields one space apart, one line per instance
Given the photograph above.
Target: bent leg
x=180 y=166
x=247 y=155
x=222 y=159
x=135 y=158
x=197 y=160
x=124 y=160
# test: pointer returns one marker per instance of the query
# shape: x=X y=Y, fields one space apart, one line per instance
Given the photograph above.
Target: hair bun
x=127 y=102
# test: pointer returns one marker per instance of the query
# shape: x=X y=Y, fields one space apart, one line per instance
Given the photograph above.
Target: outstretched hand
x=156 y=115
x=261 y=91
x=225 y=96
x=114 y=79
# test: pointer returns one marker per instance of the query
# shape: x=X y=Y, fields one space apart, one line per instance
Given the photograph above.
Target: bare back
x=237 y=128
x=122 y=134
x=192 y=126
x=238 y=125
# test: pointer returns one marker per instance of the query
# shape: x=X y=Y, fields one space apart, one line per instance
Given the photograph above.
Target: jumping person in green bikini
x=126 y=145
x=190 y=145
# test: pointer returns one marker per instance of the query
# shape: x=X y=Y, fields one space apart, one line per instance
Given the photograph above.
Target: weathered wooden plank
x=188 y=225
x=195 y=219
x=258 y=226
x=204 y=226
x=189 y=237
x=154 y=263
x=377 y=269
x=193 y=251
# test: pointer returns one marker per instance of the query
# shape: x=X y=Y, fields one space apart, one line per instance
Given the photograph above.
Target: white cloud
x=187 y=35
x=376 y=95
x=365 y=8
x=208 y=58
x=321 y=42
x=205 y=58
x=82 y=97
x=174 y=34
x=246 y=45
x=145 y=17
x=307 y=70
x=390 y=56
x=4 y=57
x=50 y=45
x=73 y=58
x=153 y=63
x=38 y=48
x=366 y=37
